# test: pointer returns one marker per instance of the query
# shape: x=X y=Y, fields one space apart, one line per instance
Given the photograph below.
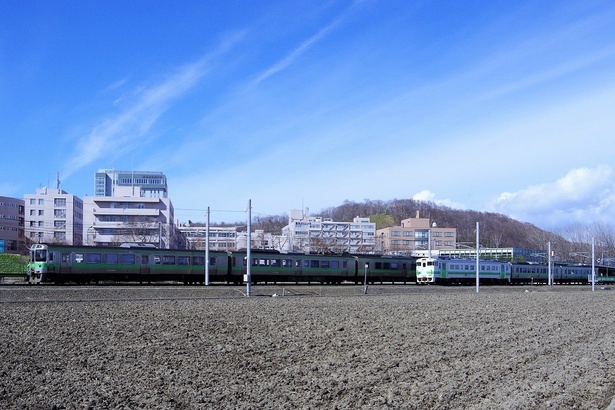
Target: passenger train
x=86 y=264
x=133 y=263
x=459 y=271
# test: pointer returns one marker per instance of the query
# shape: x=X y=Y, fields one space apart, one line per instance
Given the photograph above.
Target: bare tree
x=141 y=230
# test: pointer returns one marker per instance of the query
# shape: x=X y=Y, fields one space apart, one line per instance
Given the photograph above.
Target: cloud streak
x=125 y=131
x=290 y=58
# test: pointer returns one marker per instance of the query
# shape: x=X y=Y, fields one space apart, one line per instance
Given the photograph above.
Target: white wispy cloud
x=291 y=57
x=582 y=195
x=428 y=196
x=125 y=131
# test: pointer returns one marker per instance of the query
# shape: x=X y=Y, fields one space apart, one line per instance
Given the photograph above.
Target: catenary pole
x=477 y=258
x=549 y=273
x=593 y=265
x=248 y=253
x=207 y=250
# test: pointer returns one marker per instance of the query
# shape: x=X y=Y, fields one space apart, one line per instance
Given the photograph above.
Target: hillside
x=496 y=230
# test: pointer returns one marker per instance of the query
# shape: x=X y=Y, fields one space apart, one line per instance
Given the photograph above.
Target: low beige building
x=415 y=235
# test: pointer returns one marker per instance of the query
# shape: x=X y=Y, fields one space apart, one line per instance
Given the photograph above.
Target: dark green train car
x=386 y=269
x=84 y=264
x=275 y=267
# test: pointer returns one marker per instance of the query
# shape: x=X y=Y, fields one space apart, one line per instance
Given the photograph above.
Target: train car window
x=394 y=265
x=183 y=260
x=335 y=264
x=127 y=259
x=298 y=263
x=66 y=257
x=92 y=258
x=156 y=260
x=378 y=265
x=306 y=263
x=168 y=260
x=314 y=264
x=198 y=260
x=144 y=259
x=287 y=263
x=110 y=258
x=78 y=258
x=345 y=264
x=212 y=261
x=324 y=264
x=275 y=262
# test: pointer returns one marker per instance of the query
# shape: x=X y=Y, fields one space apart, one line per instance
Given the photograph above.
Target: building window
x=59 y=202
x=41 y=212
x=41 y=201
x=32 y=201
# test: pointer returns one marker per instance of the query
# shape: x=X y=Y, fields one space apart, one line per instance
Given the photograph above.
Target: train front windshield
x=39 y=255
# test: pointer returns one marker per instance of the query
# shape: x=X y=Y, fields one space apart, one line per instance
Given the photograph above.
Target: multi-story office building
x=130 y=207
x=316 y=234
x=53 y=216
x=111 y=221
x=415 y=234
x=12 y=221
x=143 y=184
x=221 y=238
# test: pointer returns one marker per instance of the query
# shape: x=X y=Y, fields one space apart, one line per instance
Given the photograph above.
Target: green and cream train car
x=461 y=271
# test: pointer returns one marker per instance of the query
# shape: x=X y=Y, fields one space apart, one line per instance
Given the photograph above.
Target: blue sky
x=495 y=106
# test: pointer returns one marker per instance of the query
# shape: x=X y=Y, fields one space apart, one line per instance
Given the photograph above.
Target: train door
x=440 y=272
x=65 y=263
x=298 y=268
x=144 y=264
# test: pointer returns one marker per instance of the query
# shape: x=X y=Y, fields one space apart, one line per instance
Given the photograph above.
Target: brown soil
x=309 y=347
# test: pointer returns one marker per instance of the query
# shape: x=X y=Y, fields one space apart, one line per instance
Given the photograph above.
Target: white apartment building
x=129 y=207
x=113 y=220
x=221 y=238
x=316 y=235
x=53 y=216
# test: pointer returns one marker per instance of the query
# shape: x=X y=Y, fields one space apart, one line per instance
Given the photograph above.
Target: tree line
x=496 y=230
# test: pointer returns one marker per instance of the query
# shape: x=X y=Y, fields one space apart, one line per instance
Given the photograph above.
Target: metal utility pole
x=549 y=273
x=477 y=258
x=248 y=277
x=593 y=266
x=365 y=278
x=207 y=250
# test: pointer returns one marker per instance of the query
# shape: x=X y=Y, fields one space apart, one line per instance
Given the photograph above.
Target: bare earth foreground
x=310 y=347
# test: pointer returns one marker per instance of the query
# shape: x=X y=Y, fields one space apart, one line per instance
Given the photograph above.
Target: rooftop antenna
x=58 y=180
